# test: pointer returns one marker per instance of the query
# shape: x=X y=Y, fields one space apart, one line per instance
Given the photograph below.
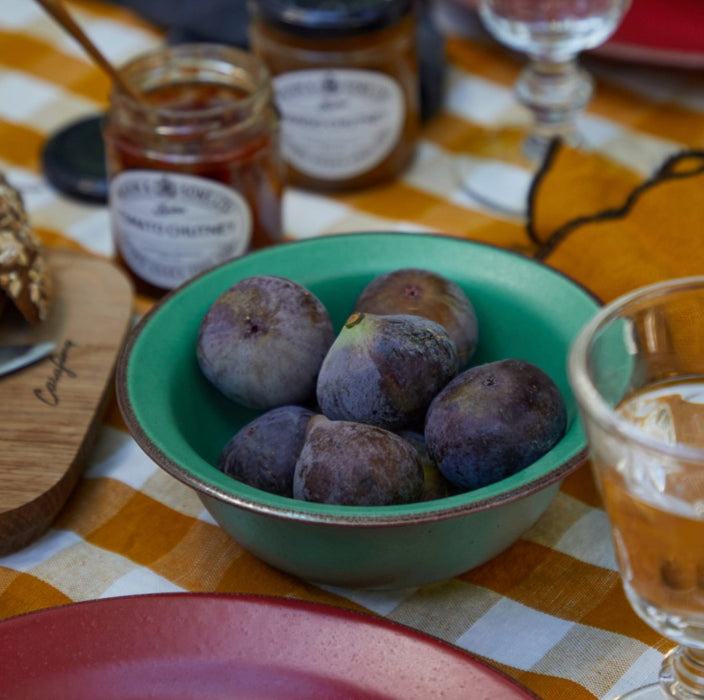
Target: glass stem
x=555 y=91
x=682 y=673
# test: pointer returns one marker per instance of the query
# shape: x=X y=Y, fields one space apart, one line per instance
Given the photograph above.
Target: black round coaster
x=73 y=160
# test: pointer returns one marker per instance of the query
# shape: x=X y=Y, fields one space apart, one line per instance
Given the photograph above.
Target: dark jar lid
x=73 y=160
x=329 y=19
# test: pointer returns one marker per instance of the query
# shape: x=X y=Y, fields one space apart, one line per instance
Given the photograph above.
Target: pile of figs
x=387 y=411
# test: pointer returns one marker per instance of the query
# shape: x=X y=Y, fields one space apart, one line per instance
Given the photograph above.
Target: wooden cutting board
x=51 y=411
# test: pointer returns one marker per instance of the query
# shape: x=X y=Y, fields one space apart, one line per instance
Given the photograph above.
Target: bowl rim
x=284 y=508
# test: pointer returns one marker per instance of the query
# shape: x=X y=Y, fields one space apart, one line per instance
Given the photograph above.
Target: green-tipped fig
x=493 y=420
x=385 y=370
x=355 y=464
x=263 y=453
x=262 y=341
x=435 y=485
x=424 y=293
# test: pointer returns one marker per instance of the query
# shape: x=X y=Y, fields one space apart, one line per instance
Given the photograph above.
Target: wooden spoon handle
x=57 y=10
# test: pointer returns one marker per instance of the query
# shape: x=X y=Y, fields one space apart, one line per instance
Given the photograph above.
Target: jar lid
x=73 y=160
x=331 y=18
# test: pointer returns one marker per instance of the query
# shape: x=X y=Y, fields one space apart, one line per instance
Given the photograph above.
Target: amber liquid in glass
x=657 y=512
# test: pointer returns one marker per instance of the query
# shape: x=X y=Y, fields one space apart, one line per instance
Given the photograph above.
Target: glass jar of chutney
x=345 y=76
x=195 y=168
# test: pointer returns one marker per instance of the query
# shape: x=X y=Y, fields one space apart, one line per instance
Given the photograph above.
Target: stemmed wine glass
x=552 y=85
x=637 y=370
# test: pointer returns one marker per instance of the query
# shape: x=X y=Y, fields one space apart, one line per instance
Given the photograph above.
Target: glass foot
x=647 y=692
x=682 y=674
x=501 y=187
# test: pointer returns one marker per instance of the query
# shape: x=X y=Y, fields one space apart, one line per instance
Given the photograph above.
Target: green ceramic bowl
x=525 y=310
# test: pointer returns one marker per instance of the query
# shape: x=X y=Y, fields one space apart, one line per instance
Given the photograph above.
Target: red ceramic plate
x=211 y=647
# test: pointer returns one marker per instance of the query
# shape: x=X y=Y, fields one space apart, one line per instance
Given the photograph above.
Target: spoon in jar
x=57 y=10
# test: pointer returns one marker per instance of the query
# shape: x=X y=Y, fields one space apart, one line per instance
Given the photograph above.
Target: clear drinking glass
x=637 y=371
x=552 y=85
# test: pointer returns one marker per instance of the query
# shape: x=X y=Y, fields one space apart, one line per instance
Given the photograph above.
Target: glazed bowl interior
x=525 y=310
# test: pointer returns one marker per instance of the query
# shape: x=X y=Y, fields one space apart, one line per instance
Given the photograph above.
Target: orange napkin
x=599 y=223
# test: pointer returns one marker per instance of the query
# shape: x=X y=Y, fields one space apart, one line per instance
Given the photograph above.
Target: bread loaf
x=25 y=278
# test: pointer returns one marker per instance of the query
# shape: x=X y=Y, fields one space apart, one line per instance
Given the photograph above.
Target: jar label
x=338 y=123
x=169 y=227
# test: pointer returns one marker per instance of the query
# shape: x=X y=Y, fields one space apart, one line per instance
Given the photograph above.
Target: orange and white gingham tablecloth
x=549 y=611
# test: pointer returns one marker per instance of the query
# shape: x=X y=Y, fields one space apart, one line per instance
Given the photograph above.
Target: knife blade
x=16 y=356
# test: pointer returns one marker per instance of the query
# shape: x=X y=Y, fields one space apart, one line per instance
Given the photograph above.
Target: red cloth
x=671 y=25
x=668 y=32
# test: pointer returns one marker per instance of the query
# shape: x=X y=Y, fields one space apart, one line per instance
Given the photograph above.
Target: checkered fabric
x=550 y=611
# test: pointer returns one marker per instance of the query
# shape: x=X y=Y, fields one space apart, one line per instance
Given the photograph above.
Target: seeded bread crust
x=25 y=278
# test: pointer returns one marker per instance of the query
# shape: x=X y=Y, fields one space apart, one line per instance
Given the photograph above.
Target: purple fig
x=263 y=453
x=428 y=294
x=262 y=341
x=493 y=420
x=385 y=370
x=355 y=464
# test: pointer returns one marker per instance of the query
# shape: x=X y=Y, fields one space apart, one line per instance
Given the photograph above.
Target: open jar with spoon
x=194 y=164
